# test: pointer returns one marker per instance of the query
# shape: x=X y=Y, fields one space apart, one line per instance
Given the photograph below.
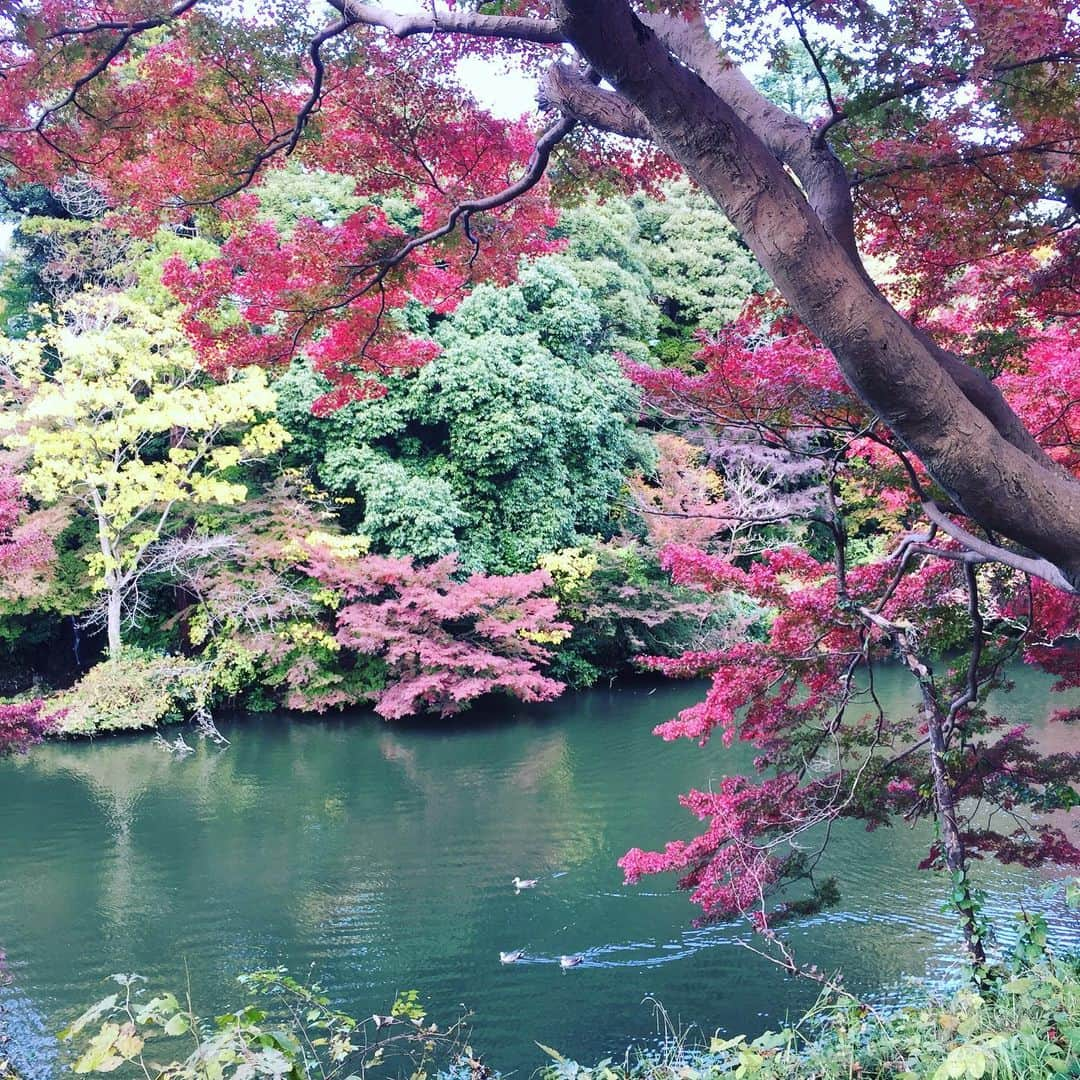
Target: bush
x=293 y=1032
x=135 y=690
x=622 y=604
x=22 y=724
x=1022 y=1027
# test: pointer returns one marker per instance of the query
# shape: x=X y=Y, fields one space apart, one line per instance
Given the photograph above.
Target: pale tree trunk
x=112 y=622
x=113 y=580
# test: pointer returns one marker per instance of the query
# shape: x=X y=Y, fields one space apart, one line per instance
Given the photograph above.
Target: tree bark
x=112 y=620
x=965 y=435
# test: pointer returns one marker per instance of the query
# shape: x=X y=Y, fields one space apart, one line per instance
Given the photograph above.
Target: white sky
x=504 y=94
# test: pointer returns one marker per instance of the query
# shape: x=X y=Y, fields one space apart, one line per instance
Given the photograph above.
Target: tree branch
x=1040 y=568
x=473 y=24
x=576 y=95
x=461 y=213
x=823 y=178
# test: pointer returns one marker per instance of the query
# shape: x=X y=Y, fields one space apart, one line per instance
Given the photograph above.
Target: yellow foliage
x=116 y=412
x=570 y=569
x=309 y=634
x=545 y=637
x=340 y=545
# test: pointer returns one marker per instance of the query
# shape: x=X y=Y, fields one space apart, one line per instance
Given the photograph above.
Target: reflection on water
x=380 y=858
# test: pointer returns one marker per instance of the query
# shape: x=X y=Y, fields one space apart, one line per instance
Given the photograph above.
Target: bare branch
x=1040 y=568
x=474 y=24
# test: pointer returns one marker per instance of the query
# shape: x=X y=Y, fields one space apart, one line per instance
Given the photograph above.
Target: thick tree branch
x=576 y=95
x=471 y=23
x=823 y=178
x=885 y=359
x=827 y=190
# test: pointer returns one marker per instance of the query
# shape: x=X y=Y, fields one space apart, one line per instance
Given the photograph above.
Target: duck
x=524 y=883
x=571 y=961
x=511 y=957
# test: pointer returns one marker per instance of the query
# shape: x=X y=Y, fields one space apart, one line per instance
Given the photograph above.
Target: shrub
x=292 y=1032
x=135 y=690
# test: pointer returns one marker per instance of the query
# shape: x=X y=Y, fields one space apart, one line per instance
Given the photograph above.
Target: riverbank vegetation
x=1021 y=1021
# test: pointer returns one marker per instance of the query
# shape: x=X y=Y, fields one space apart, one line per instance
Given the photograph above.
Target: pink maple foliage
x=445 y=640
x=25 y=545
x=23 y=724
x=802 y=695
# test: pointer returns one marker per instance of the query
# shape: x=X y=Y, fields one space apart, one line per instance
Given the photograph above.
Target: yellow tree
x=115 y=412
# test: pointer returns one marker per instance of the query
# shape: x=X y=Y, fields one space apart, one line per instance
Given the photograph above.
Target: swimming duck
x=525 y=883
x=511 y=957
x=571 y=961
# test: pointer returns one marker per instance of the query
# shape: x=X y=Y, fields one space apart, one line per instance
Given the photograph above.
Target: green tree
x=513 y=442
x=116 y=413
x=702 y=272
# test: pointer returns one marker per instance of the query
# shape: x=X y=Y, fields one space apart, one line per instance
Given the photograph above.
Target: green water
x=379 y=858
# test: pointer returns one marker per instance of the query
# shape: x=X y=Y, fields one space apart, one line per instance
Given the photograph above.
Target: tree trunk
x=952 y=842
x=888 y=362
x=112 y=622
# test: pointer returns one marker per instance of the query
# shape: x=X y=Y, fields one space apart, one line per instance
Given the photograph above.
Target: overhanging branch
x=576 y=95
x=1040 y=568
x=471 y=23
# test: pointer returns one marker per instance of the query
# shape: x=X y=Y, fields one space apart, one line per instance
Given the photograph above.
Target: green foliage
x=605 y=253
x=702 y=273
x=135 y=690
x=289 y=194
x=513 y=442
x=287 y=1031
x=659 y=269
x=621 y=603
x=1026 y=1026
x=794 y=83
x=296 y=191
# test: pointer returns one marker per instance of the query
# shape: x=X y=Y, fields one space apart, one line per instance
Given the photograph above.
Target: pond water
x=378 y=858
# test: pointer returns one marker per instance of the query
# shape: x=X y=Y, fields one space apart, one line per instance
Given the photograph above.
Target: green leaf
x=772 y=1040
x=551 y=1053
x=718 y=1045
x=159 y=1006
x=1072 y=894
x=100 y=1055
x=177 y=1025
x=88 y=1017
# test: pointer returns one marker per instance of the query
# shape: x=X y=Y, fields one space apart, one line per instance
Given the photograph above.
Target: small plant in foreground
x=1022 y=1022
x=293 y=1034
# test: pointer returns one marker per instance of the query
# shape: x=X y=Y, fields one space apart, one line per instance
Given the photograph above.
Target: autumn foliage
x=879 y=460
x=444 y=641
